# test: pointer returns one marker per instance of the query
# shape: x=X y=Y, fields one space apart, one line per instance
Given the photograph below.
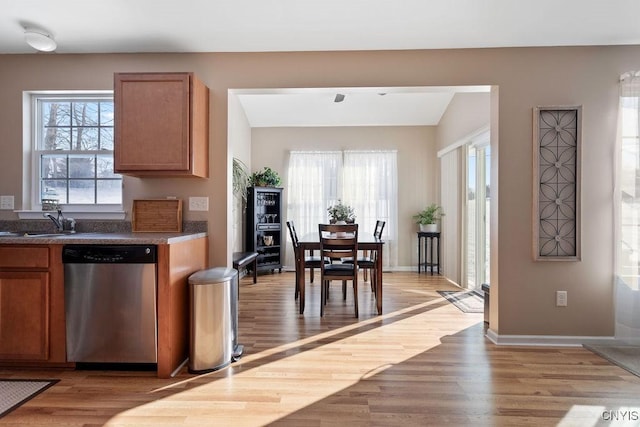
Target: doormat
x=466 y=301
x=625 y=356
x=14 y=393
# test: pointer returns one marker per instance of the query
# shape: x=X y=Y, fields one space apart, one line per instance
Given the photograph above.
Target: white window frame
x=32 y=207
x=480 y=144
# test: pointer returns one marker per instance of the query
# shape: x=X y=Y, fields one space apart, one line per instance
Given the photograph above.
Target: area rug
x=466 y=301
x=625 y=356
x=14 y=393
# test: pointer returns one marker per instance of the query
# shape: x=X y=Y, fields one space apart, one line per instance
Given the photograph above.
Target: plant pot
x=341 y=233
x=429 y=228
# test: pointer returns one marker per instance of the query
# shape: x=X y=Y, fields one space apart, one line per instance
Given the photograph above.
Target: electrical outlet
x=561 y=298
x=6 y=202
x=198 y=203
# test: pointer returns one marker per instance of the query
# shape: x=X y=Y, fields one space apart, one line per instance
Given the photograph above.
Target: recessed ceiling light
x=39 y=40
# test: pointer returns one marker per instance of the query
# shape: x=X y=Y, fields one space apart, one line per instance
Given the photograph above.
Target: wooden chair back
x=338 y=241
x=377 y=232
x=293 y=234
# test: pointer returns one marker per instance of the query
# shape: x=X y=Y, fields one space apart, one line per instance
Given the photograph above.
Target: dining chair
x=311 y=262
x=368 y=262
x=336 y=241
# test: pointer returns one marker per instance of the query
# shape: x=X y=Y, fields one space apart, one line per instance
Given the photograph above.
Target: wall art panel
x=556 y=183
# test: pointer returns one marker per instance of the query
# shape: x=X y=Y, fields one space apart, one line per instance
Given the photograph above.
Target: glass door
x=477 y=212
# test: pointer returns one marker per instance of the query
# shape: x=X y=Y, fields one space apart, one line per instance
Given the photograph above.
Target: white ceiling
x=90 y=26
x=398 y=106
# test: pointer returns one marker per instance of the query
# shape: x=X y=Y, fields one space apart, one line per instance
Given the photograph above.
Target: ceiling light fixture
x=39 y=40
x=339 y=97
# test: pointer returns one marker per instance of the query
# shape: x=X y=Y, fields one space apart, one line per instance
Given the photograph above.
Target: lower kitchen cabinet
x=32 y=315
x=24 y=315
x=176 y=262
x=31 y=305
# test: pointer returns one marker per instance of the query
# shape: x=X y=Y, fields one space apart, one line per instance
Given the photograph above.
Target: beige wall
x=239 y=135
x=526 y=77
x=465 y=115
x=417 y=164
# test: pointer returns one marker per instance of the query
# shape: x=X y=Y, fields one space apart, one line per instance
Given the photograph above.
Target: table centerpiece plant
x=341 y=213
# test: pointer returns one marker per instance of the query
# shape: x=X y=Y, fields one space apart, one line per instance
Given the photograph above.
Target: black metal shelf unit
x=264 y=226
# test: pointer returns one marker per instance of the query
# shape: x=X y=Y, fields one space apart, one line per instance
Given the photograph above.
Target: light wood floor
x=423 y=362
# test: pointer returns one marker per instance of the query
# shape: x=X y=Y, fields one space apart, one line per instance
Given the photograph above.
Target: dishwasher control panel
x=109 y=254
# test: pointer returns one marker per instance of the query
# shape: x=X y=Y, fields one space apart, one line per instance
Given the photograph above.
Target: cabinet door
x=24 y=315
x=152 y=118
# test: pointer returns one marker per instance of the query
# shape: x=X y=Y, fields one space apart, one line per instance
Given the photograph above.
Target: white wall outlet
x=561 y=298
x=6 y=202
x=198 y=203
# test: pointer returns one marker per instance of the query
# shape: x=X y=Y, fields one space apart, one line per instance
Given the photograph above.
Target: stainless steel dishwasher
x=110 y=303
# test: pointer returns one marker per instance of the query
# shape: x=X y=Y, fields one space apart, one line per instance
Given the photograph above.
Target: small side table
x=429 y=238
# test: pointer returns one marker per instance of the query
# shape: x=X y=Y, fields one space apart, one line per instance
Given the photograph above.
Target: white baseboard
x=402 y=268
x=544 y=340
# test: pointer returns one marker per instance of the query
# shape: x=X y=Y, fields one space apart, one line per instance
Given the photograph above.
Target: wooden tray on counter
x=157 y=215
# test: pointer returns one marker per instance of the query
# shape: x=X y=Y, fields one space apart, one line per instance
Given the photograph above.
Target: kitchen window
x=72 y=152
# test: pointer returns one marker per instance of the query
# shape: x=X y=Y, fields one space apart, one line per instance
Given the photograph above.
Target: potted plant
x=341 y=213
x=267 y=177
x=240 y=179
x=427 y=217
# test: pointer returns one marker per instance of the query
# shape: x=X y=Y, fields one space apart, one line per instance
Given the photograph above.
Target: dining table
x=366 y=242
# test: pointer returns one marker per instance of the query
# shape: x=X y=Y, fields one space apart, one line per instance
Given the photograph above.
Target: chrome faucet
x=59 y=221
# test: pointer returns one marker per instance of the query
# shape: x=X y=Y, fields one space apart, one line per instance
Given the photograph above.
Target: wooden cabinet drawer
x=13 y=256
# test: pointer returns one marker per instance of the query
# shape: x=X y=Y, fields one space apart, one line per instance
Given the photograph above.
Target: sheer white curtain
x=370 y=186
x=627 y=210
x=365 y=180
x=314 y=180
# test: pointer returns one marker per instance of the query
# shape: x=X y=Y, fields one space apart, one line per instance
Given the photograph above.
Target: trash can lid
x=213 y=275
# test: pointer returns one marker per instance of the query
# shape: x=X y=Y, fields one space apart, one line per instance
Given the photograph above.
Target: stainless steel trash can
x=213 y=325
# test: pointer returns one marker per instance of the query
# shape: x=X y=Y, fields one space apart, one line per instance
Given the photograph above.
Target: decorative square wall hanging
x=556 y=183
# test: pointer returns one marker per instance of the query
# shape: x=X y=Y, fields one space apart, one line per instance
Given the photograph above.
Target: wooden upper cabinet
x=161 y=124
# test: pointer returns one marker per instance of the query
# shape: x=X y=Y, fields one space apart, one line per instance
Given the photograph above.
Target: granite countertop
x=126 y=238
